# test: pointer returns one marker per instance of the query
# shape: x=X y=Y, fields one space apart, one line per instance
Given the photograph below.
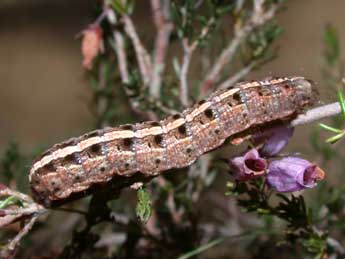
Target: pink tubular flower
x=279 y=138
x=292 y=174
x=91 y=44
x=248 y=166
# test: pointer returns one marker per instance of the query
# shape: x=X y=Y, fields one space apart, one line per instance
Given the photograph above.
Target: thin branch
x=164 y=108
x=121 y=56
x=170 y=202
x=336 y=245
x=5 y=191
x=317 y=113
x=143 y=58
x=102 y=83
x=9 y=248
x=164 y=27
x=187 y=56
x=188 y=51
x=239 y=75
x=13 y=213
x=119 y=44
x=257 y=19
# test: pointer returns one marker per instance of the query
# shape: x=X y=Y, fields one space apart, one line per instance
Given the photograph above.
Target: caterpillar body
x=126 y=154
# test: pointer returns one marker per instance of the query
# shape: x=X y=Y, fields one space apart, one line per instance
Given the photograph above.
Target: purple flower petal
x=293 y=174
x=277 y=141
x=248 y=166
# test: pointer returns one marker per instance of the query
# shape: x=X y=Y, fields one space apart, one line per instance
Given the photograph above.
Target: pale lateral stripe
x=264 y=83
x=173 y=125
x=148 y=131
x=228 y=93
x=296 y=78
x=38 y=164
x=249 y=85
x=121 y=134
x=126 y=153
x=60 y=153
x=109 y=136
x=30 y=174
x=277 y=81
x=190 y=117
x=89 y=142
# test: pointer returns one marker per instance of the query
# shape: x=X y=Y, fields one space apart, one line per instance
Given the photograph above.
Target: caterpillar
x=123 y=155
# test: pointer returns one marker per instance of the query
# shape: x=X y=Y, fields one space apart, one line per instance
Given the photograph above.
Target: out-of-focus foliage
x=13 y=166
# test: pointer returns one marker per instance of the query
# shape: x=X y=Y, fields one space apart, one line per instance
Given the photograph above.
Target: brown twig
x=4 y=191
x=143 y=58
x=184 y=89
x=239 y=75
x=121 y=55
x=258 y=18
x=144 y=62
x=188 y=50
x=170 y=202
x=198 y=172
x=29 y=209
x=15 y=241
x=102 y=83
x=161 y=13
x=14 y=212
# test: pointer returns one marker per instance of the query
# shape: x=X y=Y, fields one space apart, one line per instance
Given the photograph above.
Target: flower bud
x=91 y=44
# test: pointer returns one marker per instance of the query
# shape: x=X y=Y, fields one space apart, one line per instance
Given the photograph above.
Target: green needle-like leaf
x=329 y=128
x=201 y=249
x=335 y=138
x=341 y=101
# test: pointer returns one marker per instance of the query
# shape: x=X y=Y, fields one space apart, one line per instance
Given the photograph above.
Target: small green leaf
x=341 y=101
x=8 y=201
x=143 y=208
x=329 y=128
x=118 y=7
